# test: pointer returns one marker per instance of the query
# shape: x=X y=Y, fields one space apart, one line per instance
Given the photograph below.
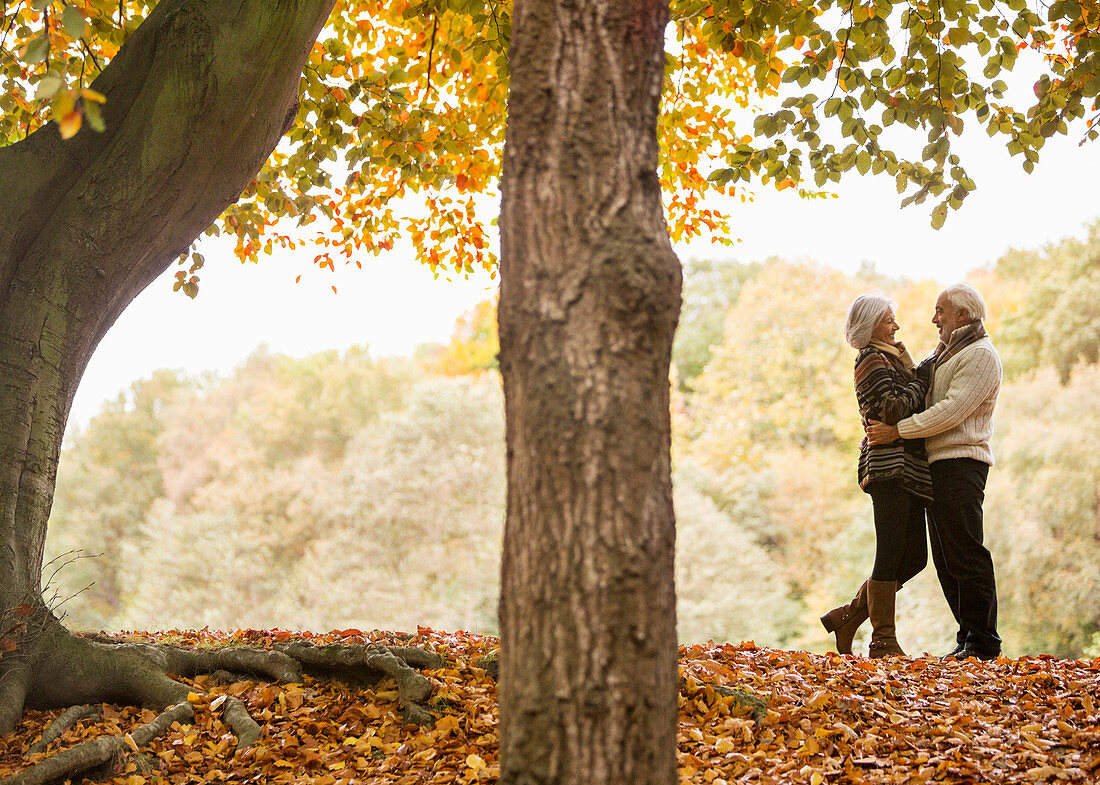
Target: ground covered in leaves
x=830 y=719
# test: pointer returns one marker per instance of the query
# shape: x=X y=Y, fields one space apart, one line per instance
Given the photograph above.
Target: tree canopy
x=400 y=127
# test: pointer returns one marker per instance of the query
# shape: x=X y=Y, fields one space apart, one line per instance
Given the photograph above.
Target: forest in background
x=341 y=490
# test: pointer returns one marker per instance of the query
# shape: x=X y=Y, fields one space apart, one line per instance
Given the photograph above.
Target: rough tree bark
x=590 y=296
x=196 y=100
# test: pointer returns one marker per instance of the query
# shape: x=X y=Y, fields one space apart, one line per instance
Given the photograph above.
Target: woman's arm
x=883 y=394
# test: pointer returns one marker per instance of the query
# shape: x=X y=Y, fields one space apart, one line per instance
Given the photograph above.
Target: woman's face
x=885 y=329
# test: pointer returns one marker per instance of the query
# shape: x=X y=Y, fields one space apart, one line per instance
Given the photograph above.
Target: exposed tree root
x=115 y=670
x=92 y=754
x=366 y=665
x=65 y=720
x=14 y=678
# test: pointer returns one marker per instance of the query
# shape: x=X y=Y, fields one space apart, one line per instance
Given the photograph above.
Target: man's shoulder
x=980 y=355
x=979 y=347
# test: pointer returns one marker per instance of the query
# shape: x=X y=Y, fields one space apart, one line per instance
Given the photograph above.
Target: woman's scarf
x=894 y=351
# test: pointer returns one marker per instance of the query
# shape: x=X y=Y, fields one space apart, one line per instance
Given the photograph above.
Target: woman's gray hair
x=964 y=296
x=864 y=315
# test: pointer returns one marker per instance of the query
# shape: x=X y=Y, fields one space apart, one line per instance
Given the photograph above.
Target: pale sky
x=393 y=305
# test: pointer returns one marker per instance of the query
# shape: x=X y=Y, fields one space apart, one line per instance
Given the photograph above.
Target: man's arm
x=977 y=377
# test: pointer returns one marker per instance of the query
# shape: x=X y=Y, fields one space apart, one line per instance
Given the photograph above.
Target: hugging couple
x=926 y=454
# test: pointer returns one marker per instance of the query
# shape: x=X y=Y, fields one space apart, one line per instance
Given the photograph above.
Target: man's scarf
x=959 y=339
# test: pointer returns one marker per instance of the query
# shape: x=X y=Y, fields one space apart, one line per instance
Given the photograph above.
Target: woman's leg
x=914 y=556
x=844 y=620
x=891 y=503
x=892 y=523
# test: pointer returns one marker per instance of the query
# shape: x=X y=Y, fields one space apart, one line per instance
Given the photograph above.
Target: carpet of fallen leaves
x=831 y=719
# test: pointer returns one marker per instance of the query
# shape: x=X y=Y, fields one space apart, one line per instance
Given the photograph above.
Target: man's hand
x=881 y=433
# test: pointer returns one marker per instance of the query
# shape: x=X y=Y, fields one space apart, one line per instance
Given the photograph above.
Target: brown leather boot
x=880 y=605
x=845 y=620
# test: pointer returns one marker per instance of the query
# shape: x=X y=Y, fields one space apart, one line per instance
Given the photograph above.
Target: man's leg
x=948 y=584
x=959 y=487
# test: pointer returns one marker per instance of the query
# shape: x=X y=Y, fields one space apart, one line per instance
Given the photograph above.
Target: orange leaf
x=70 y=124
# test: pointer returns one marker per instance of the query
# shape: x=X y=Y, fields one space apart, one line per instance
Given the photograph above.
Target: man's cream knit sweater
x=958 y=422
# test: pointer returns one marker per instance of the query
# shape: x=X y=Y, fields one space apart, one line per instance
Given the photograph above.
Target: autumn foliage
x=400 y=127
x=828 y=719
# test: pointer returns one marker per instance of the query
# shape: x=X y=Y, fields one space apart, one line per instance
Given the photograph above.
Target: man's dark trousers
x=963 y=563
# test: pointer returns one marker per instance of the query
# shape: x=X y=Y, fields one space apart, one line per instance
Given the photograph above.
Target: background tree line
x=342 y=490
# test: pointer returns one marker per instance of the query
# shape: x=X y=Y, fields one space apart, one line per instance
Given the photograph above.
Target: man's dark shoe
x=954 y=652
x=967 y=653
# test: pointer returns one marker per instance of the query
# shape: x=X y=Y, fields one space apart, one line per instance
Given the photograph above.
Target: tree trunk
x=590 y=294
x=196 y=101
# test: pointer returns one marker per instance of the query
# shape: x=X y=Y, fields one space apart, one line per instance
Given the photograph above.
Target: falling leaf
x=70 y=123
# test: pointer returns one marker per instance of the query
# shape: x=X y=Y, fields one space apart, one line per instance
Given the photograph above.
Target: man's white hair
x=864 y=315
x=964 y=296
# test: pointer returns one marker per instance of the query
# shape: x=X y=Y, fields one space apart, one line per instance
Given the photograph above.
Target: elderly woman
x=888 y=388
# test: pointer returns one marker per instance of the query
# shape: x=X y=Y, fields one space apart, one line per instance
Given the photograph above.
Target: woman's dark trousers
x=900 y=550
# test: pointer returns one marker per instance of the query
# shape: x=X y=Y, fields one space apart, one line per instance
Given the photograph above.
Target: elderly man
x=957 y=426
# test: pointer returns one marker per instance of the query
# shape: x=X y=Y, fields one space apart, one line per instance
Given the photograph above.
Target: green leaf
x=863 y=162
x=958 y=37
x=94 y=116
x=37 y=50
x=939 y=215
x=48 y=87
x=73 y=21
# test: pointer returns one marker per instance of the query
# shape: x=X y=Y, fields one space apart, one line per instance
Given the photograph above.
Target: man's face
x=948 y=318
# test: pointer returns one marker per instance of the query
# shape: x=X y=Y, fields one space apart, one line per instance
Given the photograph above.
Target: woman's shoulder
x=871 y=355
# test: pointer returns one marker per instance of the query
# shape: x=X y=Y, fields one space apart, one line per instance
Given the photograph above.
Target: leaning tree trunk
x=196 y=101
x=590 y=294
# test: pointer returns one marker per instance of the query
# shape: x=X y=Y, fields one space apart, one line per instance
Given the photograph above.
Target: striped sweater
x=887 y=391
x=958 y=422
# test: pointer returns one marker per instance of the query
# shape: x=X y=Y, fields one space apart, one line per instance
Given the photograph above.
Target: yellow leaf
x=475 y=762
x=724 y=745
x=194 y=698
x=130 y=742
x=93 y=95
